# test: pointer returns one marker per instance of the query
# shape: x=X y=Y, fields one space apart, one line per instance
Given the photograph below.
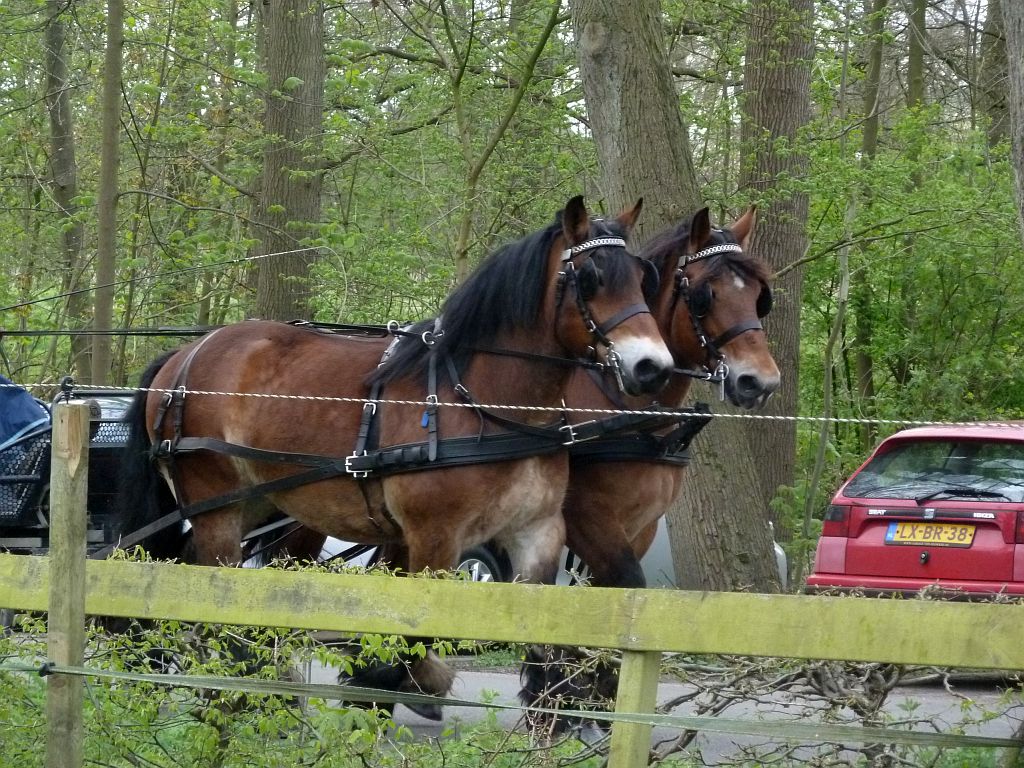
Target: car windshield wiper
x=964 y=493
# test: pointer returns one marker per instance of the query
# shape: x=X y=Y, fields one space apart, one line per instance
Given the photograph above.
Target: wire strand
x=561 y=409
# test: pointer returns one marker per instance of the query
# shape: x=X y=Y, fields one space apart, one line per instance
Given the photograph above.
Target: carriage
x=25 y=431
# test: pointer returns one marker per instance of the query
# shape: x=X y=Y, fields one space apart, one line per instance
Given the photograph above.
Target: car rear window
x=911 y=470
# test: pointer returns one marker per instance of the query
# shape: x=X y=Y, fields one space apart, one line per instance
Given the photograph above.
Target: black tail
x=143 y=495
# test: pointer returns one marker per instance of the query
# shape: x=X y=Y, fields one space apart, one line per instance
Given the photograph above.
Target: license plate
x=930 y=534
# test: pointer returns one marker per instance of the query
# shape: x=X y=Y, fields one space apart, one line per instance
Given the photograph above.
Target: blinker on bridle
x=699 y=304
x=599 y=332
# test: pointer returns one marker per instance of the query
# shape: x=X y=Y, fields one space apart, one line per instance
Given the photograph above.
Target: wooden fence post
x=638 y=692
x=65 y=626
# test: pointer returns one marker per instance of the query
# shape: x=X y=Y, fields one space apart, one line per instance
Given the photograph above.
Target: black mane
x=667 y=247
x=506 y=292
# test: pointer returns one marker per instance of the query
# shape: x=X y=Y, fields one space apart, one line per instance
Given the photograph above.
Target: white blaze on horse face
x=645 y=361
x=753 y=376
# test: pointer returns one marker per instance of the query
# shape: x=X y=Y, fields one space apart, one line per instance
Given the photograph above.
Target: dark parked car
x=939 y=507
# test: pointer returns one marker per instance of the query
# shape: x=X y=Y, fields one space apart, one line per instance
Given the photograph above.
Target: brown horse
x=437 y=479
x=711 y=298
x=709 y=304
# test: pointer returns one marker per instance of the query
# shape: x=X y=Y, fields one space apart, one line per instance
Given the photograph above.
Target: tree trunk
x=1013 y=27
x=860 y=287
x=641 y=138
x=64 y=174
x=717 y=528
x=738 y=470
x=106 y=213
x=993 y=74
x=288 y=209
x=915 y=100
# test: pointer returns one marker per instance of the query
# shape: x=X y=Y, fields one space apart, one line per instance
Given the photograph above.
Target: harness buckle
x=574 y=436
x=719 y=376
x=570 y=432
x=615 y=363
x=359 y=474
x=162 y=449
x=371 y=406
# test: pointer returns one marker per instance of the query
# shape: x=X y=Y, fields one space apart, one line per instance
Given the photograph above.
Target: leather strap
x=672 y=448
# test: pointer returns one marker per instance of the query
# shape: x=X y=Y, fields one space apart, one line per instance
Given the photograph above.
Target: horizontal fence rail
x=976 y=635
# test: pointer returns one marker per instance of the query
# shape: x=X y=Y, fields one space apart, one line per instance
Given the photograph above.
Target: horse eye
x=590 y=280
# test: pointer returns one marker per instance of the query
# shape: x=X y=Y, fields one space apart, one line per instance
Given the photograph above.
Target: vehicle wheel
x=482 y=565
x=577 y=571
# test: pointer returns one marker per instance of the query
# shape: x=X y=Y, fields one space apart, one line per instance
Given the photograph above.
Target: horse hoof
x=591 y=733
x=433 y=712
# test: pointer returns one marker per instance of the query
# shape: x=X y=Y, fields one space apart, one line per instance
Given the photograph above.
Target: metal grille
x=110 y=433
x=24 y=459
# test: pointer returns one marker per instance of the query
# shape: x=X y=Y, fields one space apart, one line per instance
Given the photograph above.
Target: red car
x=939 y=507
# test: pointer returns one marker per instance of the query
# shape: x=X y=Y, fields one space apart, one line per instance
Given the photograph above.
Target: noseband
x=585 y=282
x=698 y=304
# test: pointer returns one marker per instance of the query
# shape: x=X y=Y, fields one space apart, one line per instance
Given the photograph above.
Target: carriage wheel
x=482 y=565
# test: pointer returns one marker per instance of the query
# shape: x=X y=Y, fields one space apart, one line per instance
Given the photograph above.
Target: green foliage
x=415 y=93
x=395 y=163
x=132 y=723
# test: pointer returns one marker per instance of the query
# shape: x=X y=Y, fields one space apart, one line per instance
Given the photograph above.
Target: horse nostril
x=749 y=386
x=650 y=375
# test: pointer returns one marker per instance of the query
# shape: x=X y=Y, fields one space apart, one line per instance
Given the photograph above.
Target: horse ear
x=576 y=221
x=700 y=230
x=743 y=227
x=628 y=216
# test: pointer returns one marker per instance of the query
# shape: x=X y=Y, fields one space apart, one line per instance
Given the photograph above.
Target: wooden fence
x=641 y=623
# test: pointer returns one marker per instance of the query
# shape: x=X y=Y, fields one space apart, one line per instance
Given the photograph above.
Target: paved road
x=965 y=703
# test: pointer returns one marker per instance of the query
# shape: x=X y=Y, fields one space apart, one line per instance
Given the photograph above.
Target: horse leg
x=410 y=674
x=534 y=550
x=561 y=677
x=217 y=535
x=217 y=540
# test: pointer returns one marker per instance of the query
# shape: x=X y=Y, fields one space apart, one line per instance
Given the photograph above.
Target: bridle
x=585 y=281
x=698 y=302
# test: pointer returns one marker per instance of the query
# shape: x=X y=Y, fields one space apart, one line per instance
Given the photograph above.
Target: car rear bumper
x=888 y=585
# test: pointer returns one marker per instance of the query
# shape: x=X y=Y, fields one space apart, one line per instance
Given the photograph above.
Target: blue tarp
x=20 y=414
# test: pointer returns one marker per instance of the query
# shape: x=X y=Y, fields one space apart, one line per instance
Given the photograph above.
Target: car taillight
x=1018 y=531
x=837 y=521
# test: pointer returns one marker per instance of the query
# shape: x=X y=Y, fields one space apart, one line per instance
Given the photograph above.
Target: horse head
x=598 y=303
x=710 y=303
